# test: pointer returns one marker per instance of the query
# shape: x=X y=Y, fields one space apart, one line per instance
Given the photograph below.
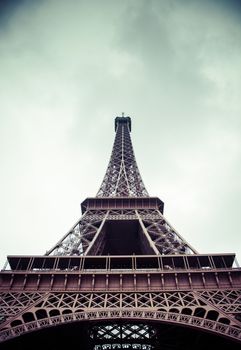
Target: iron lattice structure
x=122 y=181
x=122 y=178
x=121 y=278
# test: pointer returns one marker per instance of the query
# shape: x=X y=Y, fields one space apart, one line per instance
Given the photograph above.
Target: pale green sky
x=67 y=68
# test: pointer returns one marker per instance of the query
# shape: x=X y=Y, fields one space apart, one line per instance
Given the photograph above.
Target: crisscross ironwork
x=123 y=336
x=122 y=178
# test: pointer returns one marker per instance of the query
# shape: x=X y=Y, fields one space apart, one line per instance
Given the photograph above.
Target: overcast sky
x=68 y=68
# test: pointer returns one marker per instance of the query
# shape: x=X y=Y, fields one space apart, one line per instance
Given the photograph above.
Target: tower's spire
x=122 y=178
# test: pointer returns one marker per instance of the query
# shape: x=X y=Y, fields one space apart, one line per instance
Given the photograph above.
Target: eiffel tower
x=121 y=278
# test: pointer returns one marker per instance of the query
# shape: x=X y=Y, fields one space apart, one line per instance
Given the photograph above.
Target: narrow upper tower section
x=123 y=120
x=122 y=178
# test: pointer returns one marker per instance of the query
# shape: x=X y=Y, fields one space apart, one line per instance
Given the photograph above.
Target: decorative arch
x=208 y=325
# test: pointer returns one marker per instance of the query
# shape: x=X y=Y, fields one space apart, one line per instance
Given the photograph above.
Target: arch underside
x=169 y=328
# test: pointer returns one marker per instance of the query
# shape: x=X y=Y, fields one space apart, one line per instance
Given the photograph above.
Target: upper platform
x=123 y=120
x=107 y=203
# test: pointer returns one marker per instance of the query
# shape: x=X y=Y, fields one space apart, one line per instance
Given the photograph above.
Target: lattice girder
x=228 y=301
x=87 y=236
x=13 y=303
x=124 y=335
x=73 y=302
x=186 y=306
x=122 y=177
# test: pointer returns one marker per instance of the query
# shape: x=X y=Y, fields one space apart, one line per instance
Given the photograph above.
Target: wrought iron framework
x=122 y=178
x=88 y=235
x=124 y=274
